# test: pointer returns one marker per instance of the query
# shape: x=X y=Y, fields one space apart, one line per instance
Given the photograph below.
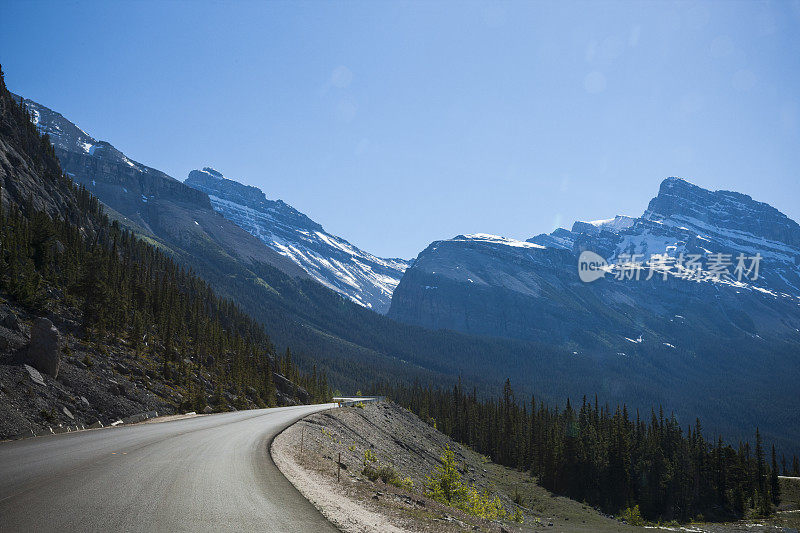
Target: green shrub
x=445 y=486
x=405 y=483
x=369 y=468
x=388 y=475
x=369 y=457
x=370 y=472
x=632 y=516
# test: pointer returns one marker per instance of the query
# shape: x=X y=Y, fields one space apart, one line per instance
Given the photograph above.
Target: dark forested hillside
x=608 y=457
x=60 y=256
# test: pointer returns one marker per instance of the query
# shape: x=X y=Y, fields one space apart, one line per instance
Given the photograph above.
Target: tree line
x=607 y=457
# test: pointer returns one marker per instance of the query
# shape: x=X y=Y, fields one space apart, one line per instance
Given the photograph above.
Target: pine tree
x=763 y=502
x=775 y=487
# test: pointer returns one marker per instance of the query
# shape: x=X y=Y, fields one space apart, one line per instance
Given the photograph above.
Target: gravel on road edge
x=346 y=514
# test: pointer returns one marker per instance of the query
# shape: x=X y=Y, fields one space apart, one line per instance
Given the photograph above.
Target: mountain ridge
x=677 y=224
x=331 y=260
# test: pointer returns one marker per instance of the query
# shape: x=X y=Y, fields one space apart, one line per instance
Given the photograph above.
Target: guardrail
x=350 y=401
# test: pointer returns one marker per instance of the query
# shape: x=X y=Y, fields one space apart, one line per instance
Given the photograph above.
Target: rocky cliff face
x=722 y=213
x=331 y=260
x=21 y=178
x=530 y=290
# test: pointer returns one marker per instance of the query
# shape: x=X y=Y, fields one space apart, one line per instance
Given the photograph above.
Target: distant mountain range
x=331 y=260
x=127 y=186
x=322 y=326
x=485 y=307
x=489 y=285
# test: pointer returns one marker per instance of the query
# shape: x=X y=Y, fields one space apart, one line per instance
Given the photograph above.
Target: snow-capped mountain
x=687 y=220
x=495 y=286
x=331 y=260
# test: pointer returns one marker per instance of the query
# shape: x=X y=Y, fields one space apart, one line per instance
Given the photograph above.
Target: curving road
x=208 y=473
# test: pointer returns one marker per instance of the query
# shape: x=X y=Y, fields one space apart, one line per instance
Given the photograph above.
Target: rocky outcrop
x=11 y=334
x=35 y=376
x=9 y=320
x=288 y=392
x=679 y=200
x=364 y=278
x=44 y=351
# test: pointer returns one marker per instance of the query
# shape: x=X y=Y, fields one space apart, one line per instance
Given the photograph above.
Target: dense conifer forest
x=64 y=255
x=609 y=457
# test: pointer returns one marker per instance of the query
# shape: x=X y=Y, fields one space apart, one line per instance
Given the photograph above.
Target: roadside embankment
x=400 y=451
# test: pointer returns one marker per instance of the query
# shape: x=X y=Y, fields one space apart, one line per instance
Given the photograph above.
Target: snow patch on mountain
x=496 y=239
x=616 y=224
x=364 y=278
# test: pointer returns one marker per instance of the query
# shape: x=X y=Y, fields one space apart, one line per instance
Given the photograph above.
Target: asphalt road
x=208 y=473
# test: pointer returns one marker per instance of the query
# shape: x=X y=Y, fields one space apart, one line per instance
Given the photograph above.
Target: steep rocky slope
x=98 y=383
x=411 y=447
x=331 y=260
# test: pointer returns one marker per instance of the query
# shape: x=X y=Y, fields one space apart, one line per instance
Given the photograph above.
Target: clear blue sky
x=395 y=124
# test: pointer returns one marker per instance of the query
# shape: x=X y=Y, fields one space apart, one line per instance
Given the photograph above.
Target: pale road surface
x=207 y=473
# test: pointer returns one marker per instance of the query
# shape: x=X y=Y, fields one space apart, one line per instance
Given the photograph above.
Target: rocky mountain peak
x=214 y=183
x=469 y=283
x=614 y=225
x=213 y=172
x=683 y=203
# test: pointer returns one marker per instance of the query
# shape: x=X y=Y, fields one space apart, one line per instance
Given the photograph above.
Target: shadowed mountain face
x=320 y=325
x=331 y=260
x=488 y=285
